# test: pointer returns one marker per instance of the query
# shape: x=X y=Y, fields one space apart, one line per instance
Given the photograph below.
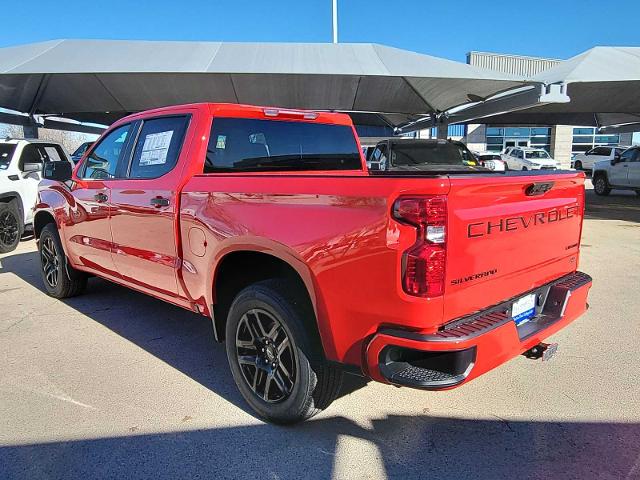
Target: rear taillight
x=423 y=265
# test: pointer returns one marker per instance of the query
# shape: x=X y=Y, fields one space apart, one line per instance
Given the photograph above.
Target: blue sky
x=446 y=28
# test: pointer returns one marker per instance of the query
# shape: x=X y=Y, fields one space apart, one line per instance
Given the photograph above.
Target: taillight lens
x=423 y=272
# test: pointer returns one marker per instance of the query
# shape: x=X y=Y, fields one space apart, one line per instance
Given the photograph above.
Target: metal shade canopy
x=102 y=80
x=603 y=84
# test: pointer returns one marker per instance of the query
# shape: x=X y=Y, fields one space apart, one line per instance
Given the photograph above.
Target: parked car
x=586 y=160
x=491 y=160
x=527 y=158
x=21 y=164
x=268 y=222
x=505 y=153
x=401 y=154
x=622 y=172
x=80 y=151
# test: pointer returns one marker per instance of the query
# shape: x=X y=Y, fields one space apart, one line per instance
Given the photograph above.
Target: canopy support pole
x=442 y=128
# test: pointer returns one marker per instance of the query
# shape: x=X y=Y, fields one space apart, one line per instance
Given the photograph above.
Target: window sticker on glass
x=155 y=148
x=221 y=142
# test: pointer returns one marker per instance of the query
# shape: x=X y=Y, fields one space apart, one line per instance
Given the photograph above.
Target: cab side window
x=629 y=155
x=158 y=146
x=102 y=161
x=30 y=154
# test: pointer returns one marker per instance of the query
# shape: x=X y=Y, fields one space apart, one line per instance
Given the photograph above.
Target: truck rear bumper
x=470 y=346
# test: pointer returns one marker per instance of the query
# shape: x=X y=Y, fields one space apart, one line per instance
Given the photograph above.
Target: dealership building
x=561 y=141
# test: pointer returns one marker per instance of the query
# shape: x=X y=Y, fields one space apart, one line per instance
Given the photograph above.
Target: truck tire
x=601 y=185
x=11 y=226
x=275 y=361
x=60 y=279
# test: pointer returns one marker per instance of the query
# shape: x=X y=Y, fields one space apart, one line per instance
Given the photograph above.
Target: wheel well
x=11 y=196
x=238 y=270
x=40 y=221
x=599 y=173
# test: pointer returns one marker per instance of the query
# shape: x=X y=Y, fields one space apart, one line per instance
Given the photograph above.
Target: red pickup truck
x=267 y=221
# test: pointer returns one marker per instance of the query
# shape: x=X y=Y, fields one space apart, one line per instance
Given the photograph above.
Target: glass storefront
x=585 y=138
x=499 y=138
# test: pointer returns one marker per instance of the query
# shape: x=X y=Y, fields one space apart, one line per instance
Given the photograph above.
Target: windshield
x=6 y=152
x=537 y=154
x=431 y=156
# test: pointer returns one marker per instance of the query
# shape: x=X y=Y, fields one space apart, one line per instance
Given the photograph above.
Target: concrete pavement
x=116 y=384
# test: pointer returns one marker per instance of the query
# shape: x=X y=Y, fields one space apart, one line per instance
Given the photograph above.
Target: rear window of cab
x=254 y=145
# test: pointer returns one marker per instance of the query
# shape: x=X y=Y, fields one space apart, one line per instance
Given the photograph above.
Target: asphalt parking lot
x=116 y=384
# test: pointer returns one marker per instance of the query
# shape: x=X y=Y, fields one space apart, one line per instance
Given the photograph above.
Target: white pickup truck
x=21 y=164
x=586 y=160
x=620 y=173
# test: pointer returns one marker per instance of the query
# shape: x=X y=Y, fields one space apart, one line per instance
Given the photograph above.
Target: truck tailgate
x=506 y=235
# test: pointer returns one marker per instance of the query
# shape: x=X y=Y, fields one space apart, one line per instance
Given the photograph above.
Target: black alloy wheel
x=275 y=353
x=60 y=279
x=601 y=186
x=50 y=262
x=9 y=230
x=265 y=355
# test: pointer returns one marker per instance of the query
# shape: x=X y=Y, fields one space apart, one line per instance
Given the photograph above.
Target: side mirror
x=32 y=167
x=60 y=171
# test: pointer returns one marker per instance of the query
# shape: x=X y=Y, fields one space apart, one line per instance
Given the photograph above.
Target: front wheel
x=577 y=165
x=60 y=279
x=11 y=227
x=274 y=359
x=601 y=186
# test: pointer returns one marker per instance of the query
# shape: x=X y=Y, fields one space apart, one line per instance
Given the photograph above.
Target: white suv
x=526 y=158
x=586 y=160
x=622 y=173
x=21 y=163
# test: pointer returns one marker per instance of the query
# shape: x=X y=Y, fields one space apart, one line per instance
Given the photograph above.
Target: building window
x=499 y=138
x=585 y=138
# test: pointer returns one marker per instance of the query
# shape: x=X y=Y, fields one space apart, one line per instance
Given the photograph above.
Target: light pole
x=335 y=21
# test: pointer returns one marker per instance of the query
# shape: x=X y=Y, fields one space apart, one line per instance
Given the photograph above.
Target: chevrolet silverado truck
x=310 y=266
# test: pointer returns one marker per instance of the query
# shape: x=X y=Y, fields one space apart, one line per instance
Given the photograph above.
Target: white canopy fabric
x=102 y=80
x=603 y=84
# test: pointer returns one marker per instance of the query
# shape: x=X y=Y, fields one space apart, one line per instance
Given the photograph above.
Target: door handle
x=160 y=202
x=101 y=197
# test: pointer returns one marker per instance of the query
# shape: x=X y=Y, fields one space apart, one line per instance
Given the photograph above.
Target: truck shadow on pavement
x=180 y=338
x=412 y=446
x=390 y=447
x=619 y=205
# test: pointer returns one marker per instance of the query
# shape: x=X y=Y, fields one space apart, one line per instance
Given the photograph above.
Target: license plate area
x=524 y=309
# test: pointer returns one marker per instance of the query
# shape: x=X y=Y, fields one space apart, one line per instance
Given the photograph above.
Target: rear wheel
x=601 y=185
x=275 y=361
x=577 y=165
x=11 y=226
x=60 y=279
x=525 y=168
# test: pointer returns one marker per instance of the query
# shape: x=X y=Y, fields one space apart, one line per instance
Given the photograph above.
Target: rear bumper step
x=470 y=346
